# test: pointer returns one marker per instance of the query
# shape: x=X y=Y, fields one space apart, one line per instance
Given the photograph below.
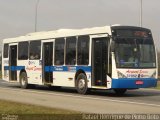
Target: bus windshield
x=135 y=52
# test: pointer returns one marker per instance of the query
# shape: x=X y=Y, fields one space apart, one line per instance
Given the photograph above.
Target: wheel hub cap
x=81 y=84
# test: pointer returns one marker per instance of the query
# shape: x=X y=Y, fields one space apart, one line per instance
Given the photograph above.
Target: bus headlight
x=120 y=75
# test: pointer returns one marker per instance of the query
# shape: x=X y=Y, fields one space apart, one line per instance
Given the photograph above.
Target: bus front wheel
x=120 y=91
x=81 y=84
x=23 y=80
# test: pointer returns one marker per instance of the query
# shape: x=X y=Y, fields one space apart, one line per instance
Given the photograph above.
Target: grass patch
x=32 y=112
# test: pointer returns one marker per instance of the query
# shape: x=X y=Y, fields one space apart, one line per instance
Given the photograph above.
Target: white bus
x=109 y=57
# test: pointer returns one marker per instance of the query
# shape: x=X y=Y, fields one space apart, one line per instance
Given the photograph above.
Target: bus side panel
x=114 y=69
x=34 y=71
x=21 y=64
x=65 y=79
x=88 y=74
x=5 y=69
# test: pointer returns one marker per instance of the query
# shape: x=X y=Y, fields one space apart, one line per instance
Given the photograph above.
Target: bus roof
x=59 y=33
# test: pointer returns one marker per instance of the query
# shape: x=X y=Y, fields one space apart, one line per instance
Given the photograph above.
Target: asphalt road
x=134 y=101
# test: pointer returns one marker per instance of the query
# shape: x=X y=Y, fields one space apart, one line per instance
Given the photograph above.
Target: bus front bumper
x=134 y=83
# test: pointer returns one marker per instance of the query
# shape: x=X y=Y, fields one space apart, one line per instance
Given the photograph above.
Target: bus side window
x=23 y=51
x=70 y=50
x=5 y=51
x=83 y=50
x=35 y=50
x=59 y=51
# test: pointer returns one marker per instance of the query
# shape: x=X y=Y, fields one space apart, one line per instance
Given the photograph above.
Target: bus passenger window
x=59 y=51
x=5 y=51
x=71 y=50
x=23 y=51
x=83 y=50
x=35 y=50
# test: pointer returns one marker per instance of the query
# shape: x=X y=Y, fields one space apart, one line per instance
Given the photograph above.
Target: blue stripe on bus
x=53 y=68
x=14 y=68
x=67 y=68
x=6 y=67
x=130 y=83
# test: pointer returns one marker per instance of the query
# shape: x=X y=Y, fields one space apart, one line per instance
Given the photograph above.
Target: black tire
x=120 y=91
x=24 y=80
x=81 y=84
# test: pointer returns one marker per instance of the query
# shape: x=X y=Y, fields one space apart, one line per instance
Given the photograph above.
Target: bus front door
x=47 y=62
x=13 y=63
x=99 y=61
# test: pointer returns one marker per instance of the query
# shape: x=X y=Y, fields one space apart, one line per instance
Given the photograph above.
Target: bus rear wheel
x=23 y=80
x=81 y=84
x=120 y=91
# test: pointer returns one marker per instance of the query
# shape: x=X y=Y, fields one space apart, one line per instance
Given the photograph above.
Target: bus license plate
x=139 y=82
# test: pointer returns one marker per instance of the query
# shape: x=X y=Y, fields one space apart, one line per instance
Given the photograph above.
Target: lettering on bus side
x=34 y=68
x=72 y=69
x=136 y=71
x=132 y=75
x=58 y=68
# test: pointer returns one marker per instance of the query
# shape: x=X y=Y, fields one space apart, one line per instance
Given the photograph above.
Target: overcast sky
x=17 y=17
